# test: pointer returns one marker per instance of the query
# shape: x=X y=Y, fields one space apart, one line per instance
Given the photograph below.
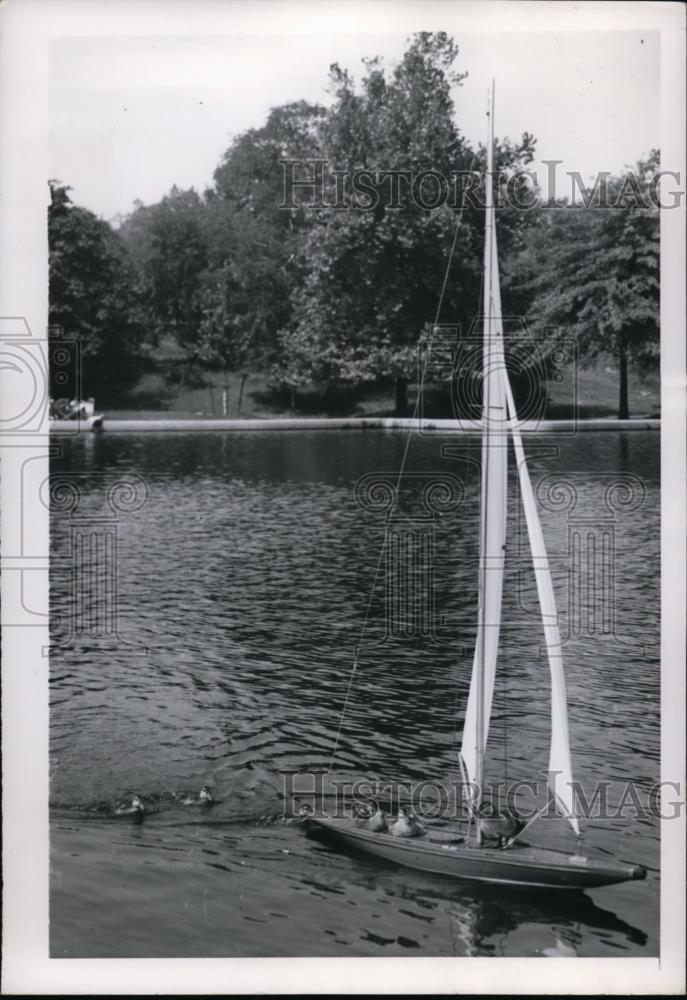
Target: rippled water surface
x=242 y=584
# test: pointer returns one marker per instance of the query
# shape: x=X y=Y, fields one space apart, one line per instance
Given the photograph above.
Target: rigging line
x=401 y=470
x=511 y=840
x=382 y=552
x=484 y=488
x=505 y=721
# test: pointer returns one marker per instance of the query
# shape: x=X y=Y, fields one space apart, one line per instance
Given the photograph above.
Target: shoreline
x=425 y=426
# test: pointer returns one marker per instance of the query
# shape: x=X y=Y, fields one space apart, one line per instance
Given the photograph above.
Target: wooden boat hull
x=519 y=865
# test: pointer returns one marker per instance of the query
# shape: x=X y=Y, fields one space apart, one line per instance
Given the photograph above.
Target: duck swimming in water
x=302 y=816
x=370 y=817
x=135 y=809
x=407 y=825
x=205 y=798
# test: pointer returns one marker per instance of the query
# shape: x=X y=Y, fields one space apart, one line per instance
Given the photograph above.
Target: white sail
x=492 y=514
x=560 y=767
x=499 y=416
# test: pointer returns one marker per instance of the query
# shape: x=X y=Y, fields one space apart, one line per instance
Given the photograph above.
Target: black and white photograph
x=342 y=440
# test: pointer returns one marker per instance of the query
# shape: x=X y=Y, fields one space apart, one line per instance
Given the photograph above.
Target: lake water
x=242 y=584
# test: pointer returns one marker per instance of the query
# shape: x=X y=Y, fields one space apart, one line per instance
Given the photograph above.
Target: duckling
x=205 y=796
x=407 y=825
x=302 y=816
x=371 y=817
x=135 y=809
x=377 y=821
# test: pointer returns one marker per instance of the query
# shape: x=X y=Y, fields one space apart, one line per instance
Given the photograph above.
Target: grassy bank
x=152 y=397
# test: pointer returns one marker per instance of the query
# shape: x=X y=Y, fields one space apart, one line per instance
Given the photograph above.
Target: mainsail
x=499 y=417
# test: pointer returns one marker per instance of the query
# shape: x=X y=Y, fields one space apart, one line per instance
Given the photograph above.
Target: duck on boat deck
x=407 y=825
x=370 y=817
x=498 y=827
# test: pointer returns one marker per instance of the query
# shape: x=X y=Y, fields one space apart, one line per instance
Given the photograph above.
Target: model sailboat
x=473 y=855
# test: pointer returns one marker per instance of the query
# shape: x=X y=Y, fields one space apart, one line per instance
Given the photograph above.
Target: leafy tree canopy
x=593 y=274
x=92 y=297
x=168 y=247
x=372 y=278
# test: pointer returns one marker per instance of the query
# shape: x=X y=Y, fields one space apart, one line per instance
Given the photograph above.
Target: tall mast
x=492 y=537
x=484 y=518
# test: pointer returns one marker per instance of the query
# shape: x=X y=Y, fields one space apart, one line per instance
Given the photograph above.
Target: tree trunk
x=244 y=376
x=401 y=396
x=623 y=405
x=293 y=398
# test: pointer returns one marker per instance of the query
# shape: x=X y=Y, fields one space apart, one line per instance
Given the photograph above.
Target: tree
x=594 y=275
x=373 y=270
x=252 y=243
x=91 y=292
x=365 y=295
x=216 y=272
x=168 y=243
x=244 y=292
x=250 y=175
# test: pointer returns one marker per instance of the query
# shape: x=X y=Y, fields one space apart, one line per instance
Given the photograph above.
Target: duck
x=205 y=796
x=302 y=816
x=407 y=825
x=498 y=827
x=370 y=817
x=135 y=809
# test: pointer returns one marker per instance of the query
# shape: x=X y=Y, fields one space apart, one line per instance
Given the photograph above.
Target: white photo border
x=28 y=29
